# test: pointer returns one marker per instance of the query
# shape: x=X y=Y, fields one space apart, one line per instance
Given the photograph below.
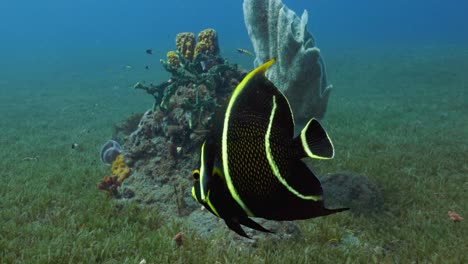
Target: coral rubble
x=300 y=71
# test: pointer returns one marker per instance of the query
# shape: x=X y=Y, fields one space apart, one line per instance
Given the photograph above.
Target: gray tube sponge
x=277 y=32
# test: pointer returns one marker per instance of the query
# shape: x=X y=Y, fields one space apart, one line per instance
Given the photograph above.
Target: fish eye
x=196 y=175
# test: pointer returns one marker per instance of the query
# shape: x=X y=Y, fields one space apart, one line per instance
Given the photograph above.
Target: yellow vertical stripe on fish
x=211 y=205
x=274 y=166
x=261 y=69
x=306 y=145
x=202 y=172
x=194 y=195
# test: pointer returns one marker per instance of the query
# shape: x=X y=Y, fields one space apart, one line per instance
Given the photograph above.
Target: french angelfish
x=250 y=163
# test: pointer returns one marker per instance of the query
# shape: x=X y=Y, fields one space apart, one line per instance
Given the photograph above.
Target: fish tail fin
x=313 y=142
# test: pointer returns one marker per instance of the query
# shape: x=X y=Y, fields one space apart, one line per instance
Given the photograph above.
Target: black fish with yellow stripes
x=250 y=163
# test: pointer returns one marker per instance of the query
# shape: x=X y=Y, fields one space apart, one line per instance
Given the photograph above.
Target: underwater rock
x=127 y=126
x=300 y=71
x=352 y=190
x=143 y=144
x=109 y=152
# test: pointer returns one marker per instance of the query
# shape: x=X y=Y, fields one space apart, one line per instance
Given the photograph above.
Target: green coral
x=192 y=72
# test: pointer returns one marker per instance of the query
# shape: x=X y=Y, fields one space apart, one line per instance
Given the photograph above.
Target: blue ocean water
x=397 y=114
x=37 y=36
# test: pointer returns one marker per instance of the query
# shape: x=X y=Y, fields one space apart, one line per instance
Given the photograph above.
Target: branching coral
x=184 y=104
x=197 y=85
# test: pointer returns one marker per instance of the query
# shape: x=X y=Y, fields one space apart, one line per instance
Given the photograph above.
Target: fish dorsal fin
x=314 y=142
x=251 y=103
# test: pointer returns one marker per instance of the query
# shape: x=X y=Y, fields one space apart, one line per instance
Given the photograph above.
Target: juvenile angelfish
x=250 y=163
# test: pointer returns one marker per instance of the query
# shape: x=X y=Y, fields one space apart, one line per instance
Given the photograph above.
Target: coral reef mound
x=164 y=149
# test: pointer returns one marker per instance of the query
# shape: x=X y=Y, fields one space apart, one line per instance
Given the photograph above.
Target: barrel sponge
x=173 y=58
x=185 y=43
x=120 y=169
x=299 y=70
x=207 y=42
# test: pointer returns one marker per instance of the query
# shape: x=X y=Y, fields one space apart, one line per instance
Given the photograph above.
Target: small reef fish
x=147 y=67
x=250 y=162
x=149 y=51
x=246 y=52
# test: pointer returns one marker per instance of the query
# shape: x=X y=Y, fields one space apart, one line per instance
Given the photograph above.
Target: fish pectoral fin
x=235 y=226
x=313 y=142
